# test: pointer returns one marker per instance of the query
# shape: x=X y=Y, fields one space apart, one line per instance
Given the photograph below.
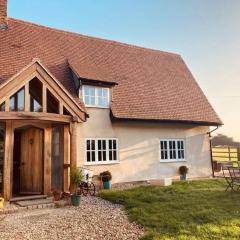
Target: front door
x=31 y=161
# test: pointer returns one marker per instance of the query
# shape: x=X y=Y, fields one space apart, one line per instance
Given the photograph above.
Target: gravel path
x=95 y=218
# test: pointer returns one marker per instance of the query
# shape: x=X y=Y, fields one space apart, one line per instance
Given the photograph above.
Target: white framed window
x=96 y=96
x=172 y=150
x=101 y=150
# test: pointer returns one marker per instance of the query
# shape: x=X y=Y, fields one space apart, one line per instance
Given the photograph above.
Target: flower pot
x=107 y=185
x=183 y=177
x=75 y=199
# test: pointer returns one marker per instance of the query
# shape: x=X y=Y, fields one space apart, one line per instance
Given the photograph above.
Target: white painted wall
x=139 y=147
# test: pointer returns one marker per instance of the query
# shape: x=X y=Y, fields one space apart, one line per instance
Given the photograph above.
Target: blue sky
x=205 y=32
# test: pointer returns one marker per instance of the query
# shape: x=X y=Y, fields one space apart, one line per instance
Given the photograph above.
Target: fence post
x=229 y=154
x=238 y=153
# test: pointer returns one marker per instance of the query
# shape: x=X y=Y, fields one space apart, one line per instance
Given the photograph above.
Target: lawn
x=185 y=210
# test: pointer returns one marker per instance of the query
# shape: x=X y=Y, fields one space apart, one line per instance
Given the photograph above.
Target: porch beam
x=35 y=116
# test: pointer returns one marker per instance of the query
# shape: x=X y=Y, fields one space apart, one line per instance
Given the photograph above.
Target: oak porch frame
x=43 y=120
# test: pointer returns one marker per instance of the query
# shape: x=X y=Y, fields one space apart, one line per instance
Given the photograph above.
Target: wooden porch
x=39 y=133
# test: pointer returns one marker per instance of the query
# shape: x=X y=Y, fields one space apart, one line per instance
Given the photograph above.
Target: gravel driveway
x=94 y=219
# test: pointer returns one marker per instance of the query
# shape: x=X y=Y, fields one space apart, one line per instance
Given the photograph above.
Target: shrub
x=183 y=170
x=76 y=176
x=105 y=176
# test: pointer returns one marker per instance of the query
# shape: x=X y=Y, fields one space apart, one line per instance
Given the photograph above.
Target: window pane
x=93 y=156
x=114 y=144
x=92 y=101
x=87 y=100
x=104 y=102
x=100 y=102
x=92 y=92
x=99 y=92
x=99 y=144
x=110 y=155
x=86 y=90
x=93 y=145
x=99 y=156
x=88 y=157
x=2 y=107
x=88 y=144
x=104 y=156
x=20 y=100
x=105 y=93
x=114 y=155
x=104 y=144
x=110 y=144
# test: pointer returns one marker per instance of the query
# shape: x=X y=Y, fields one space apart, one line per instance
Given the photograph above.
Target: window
x=102 y=150
x=96 y=96
x=17 y=101
x=172 y=150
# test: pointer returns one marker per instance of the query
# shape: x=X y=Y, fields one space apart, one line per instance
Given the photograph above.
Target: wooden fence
x=223 y=154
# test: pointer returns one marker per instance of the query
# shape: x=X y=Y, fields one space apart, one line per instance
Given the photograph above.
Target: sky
x=205 y=32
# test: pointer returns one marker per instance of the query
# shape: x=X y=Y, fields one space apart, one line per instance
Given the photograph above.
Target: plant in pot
x=76 y=177
x=106 y=177
x=57 y=194
x=183 y=170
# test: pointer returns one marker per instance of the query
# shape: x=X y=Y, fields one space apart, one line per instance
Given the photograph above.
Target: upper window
x=172 y=150
x=101 y=150
x=96 y=96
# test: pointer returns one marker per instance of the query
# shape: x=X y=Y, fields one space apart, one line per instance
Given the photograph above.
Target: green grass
x=186 y=210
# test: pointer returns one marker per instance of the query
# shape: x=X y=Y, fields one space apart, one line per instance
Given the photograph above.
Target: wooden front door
x=31 y=162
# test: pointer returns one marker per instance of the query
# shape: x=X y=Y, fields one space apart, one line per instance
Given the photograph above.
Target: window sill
x=172 y=161
x=94 y=106
x=101 y=163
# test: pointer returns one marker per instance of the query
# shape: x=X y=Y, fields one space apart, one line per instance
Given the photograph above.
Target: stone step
x=26 y=203
x=15 y=199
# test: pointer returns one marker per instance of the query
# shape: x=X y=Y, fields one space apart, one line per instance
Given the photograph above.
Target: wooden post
x=73 y=153
x=47 y=159
x=238 y=153
x=7 y=108
x=8 y=161
x=66 y=159
x=73 y=146
x=44 y=98
x=60 y=108
x=26 y=97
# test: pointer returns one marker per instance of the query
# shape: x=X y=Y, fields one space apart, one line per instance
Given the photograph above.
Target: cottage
x=72 y=100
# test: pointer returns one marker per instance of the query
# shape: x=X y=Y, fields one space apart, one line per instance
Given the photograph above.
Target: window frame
x=177 y=159
x=96 y=97
x=97 y=162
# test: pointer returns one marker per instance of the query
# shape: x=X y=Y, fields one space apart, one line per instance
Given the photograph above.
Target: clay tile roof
x=152 y=85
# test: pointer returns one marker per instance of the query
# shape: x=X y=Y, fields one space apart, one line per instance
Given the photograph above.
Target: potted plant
x=57 y=194
x=106 y=177
x=183 y=170
x=76 y=177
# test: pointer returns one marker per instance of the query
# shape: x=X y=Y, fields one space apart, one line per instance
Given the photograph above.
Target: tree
x=223 y=140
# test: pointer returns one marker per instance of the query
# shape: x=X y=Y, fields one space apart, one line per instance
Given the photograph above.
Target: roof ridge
x=96 y=38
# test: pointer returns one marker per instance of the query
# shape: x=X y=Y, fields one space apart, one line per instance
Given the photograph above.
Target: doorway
x=28 y=161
